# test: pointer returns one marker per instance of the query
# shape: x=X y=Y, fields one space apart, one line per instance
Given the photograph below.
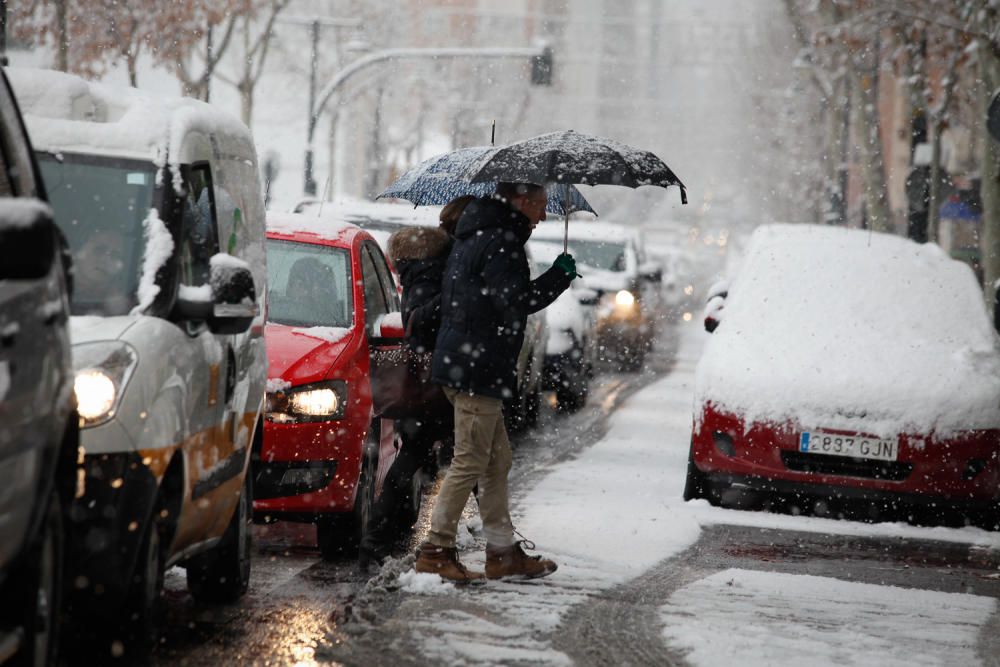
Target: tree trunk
x=62 y=35
x=246 y=102
x=865 y=84
x=133 y=74
x=989 y=67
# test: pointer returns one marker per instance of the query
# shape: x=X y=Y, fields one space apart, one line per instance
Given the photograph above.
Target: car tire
x=339 y=535
x=696 y=484
x=223 y=574
x=39 y=615
x=138 y=626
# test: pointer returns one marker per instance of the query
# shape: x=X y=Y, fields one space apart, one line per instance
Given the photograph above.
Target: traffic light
x=541 y=68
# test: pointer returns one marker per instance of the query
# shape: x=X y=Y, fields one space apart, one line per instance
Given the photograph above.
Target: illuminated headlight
x=102 y=373
x=315 y=402
x=625 y=299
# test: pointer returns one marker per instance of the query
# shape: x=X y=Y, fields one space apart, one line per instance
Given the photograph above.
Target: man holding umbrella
x=486 y=297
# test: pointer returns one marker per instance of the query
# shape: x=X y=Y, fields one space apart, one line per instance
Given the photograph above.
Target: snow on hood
x=301 y=355
x=93 y=328
x=838 y=328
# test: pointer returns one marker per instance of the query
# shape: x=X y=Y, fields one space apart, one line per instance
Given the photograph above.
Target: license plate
x=833 y=444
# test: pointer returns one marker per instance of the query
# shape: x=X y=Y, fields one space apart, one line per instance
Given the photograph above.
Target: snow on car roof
x=64 y=112
x=584 y=230
x=838 y=328
x=328 y=226
x=362 y=212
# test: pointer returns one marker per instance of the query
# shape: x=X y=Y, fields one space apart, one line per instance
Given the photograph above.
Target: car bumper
x=962 y=469
x=616 y=332
x=307 y=469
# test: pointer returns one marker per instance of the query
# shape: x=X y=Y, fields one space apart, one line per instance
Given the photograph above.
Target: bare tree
x=255 y=40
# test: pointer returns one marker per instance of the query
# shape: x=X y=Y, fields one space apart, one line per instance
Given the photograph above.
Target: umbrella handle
x=565 y=231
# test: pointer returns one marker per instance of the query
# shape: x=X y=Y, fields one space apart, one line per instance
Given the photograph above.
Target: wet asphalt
x=301 y=610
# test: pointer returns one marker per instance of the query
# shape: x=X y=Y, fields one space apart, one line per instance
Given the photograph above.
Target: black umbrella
x=571 y=157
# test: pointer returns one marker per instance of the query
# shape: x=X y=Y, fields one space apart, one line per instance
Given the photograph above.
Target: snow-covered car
x=325 y=450
x=159 y=200
x=850 y=364
x=38 y=440
x=571 y=346
x=612 y=261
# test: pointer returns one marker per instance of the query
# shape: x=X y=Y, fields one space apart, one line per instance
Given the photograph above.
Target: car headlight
x=322 y=401
x=102 y=371
x=624 y=299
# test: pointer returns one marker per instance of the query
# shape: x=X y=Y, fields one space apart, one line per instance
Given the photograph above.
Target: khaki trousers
x=482 y=454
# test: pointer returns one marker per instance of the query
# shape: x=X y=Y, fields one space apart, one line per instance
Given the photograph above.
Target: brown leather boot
x=443 y=561
x=512 y=563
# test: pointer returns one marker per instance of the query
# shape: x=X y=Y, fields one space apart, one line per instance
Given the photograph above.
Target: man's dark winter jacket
x=486 y=297
x=419 y=255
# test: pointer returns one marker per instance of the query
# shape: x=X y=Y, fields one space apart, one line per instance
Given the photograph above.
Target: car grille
x=844 y=465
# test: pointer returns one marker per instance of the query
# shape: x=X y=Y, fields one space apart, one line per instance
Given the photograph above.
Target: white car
x=571 y=347
x=160 y=202
x=611 y=258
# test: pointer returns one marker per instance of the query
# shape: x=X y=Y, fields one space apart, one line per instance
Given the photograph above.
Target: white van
x=159 y=199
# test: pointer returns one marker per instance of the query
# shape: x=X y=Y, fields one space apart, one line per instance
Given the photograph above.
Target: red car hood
x=299 y=355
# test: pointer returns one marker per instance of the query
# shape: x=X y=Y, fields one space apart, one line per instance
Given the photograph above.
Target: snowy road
x=644 y=578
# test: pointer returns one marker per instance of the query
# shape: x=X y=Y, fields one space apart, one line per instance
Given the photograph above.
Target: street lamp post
x=345 y=74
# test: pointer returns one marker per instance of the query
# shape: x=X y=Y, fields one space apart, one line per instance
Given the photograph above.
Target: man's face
x=532 y=205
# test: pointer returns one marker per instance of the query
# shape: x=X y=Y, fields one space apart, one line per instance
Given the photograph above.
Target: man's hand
x=566 y=262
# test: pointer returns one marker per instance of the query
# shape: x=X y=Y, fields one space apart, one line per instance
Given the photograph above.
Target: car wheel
x=139 y=622
x=697 y=484
x=339 y=535
x=42 y=593
x=223 y=574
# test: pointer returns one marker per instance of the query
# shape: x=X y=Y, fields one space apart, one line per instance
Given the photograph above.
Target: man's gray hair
x=513 y=190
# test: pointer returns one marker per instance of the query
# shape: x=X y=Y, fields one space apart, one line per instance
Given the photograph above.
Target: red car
x=333 y=313
x=847 y=364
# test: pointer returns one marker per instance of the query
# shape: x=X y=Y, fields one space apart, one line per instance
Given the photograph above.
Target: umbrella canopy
x=572 y=157
x=438 y=180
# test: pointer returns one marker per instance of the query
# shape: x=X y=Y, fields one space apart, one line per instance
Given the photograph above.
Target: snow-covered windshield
x=100 y=204
x=308 y=285
x=604 y=255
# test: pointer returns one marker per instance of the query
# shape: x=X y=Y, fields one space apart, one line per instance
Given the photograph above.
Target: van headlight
x=321 y=401
x=624 y=299
x=102 y=371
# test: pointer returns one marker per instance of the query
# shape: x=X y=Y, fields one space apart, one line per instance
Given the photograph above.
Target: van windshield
x=308 y=285
x=100 y=204
x=604 y=255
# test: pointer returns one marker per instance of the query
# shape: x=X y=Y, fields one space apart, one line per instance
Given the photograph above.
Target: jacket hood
x=300 y=355
x=418 y=243
x=492 y=212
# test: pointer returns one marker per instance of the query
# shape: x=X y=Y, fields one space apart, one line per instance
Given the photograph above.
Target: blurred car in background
x=39 y=436
x=571 y=346
x=334 y=315
x=818 y=386
x=612 y=261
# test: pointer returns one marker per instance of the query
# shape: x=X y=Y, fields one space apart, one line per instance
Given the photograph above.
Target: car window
x=375 y=303
x=385 y=277
x=309 y=285
x=199 y=232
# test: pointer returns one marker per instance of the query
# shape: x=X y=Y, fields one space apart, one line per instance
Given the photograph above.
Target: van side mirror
x=587 y=296
x=713 y=312
x=27 y=239
x=228 y=303
x=651 y=272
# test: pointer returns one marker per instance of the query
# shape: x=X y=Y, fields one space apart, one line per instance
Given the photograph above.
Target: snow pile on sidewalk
x=851 y=329
x=764 y=618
